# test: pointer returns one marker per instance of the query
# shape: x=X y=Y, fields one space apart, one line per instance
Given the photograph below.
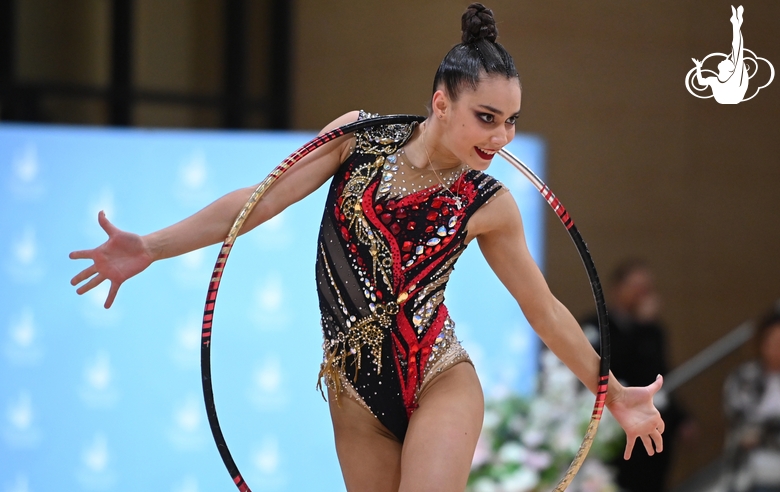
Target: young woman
x=404 y=202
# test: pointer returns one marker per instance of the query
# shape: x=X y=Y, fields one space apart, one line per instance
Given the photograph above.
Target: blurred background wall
x=646 y=169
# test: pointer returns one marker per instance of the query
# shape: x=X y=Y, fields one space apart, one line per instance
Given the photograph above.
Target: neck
x=428 y=150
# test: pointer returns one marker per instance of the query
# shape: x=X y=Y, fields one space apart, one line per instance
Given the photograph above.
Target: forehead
x=495 y=91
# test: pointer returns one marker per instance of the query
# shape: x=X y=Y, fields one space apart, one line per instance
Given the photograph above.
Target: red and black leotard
x=382 y=267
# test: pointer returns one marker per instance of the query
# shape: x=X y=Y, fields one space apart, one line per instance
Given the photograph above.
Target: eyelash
x=489 y=118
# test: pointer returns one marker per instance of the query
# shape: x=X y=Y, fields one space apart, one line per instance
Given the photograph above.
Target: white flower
x=538 y=460
x=486 y=485
x=491 y=419
x=533 y=438
x=512 y=452
x=523 y=480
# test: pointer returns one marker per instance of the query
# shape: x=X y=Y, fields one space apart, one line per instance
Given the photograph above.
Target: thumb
x=105 y=224
x=656 y=385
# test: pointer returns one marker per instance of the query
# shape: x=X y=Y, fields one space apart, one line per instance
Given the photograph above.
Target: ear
x=440 y=104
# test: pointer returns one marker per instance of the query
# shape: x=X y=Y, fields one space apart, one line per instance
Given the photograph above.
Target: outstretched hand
x=636 y=414
x=119 y=258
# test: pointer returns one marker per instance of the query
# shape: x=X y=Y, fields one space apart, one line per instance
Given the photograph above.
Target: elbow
x=545 y=316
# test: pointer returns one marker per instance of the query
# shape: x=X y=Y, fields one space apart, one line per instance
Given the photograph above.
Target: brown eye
x=486 y=117
x=512 y=120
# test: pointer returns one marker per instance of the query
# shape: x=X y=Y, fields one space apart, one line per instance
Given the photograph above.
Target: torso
x=383 y=263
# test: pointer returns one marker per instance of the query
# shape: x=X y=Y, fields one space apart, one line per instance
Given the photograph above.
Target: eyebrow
x=497 y=111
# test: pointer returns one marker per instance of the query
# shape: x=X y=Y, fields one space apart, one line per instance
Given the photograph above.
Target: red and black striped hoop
x=224 y=253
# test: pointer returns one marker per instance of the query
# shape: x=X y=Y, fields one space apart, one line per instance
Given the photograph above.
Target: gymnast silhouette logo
x=735 y=70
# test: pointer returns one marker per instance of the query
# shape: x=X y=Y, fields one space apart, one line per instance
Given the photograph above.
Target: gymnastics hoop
x=227 y=245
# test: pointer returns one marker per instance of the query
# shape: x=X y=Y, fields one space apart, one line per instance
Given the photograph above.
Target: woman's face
x=770 y=348
x=482 y=121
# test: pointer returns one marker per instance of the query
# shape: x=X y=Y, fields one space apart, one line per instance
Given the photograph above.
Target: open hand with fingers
x=634 y=410
x=122 y=256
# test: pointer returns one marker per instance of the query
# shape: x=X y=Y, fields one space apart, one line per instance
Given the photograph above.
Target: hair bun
x=478 y=23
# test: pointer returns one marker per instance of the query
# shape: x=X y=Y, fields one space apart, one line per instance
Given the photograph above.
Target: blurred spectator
x=752 y=405
x=638 y=356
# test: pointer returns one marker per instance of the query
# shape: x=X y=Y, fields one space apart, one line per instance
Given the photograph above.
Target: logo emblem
x=730 y=84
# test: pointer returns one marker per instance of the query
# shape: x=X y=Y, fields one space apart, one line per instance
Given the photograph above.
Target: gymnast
x=404 y=202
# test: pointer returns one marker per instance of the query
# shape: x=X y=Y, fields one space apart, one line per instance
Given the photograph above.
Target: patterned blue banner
x=110 y=400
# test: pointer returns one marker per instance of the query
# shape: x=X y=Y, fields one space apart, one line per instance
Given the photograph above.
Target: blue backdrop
x=110 y=400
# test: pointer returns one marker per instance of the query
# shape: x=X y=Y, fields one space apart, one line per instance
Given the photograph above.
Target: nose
x=502 y=136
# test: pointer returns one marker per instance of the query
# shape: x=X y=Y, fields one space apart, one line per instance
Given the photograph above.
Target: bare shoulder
x=499 y=214
x=347 y=142
x=342 y=120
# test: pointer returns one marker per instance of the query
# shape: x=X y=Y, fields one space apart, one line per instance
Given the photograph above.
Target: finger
x=83 y=254
x=94 y=282
x=659 y=381
x=648 y=445
x=657 y=440
x=661 y=427
x=111 y=294
x=83 y=275
x=629 y=448
x=106 y=224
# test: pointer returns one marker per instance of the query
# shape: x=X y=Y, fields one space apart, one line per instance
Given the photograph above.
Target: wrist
x=152 y=248
x=615 y=391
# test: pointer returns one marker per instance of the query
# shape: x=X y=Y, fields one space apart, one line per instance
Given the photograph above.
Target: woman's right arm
x=125 y=254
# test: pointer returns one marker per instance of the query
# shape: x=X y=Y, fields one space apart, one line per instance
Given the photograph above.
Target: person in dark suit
x=638 y=356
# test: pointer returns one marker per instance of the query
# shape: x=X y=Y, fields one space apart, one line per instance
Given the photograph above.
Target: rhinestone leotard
x=382 y=266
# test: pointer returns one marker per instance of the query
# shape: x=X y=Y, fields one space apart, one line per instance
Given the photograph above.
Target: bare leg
x=369 y=454
x=443 y=433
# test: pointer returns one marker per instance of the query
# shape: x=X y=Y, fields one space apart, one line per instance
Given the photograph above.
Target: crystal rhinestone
x=372 y=307
x=366 y=292
x=433 y=241
x=410 y=263
x=384 y=188
x=419 y=250
x=417 y=320
x=387 y=177
x=452 y=222
x=442 y=231
x=451 y=232
x=392 y=158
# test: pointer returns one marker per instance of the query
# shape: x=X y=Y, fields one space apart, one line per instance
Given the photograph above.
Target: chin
x=479 y=164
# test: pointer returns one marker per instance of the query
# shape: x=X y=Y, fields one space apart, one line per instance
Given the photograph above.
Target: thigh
x=369 y=454
x=443 y=432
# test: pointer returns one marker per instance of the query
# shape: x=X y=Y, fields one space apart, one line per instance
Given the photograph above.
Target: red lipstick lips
x=484 y=155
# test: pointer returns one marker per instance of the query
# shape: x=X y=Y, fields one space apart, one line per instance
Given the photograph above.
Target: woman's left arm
x=498 y=228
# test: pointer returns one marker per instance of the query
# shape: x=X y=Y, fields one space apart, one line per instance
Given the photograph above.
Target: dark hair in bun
x=478 y=54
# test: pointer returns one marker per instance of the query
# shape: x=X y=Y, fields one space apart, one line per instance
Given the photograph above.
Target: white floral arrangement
x=528 y=442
